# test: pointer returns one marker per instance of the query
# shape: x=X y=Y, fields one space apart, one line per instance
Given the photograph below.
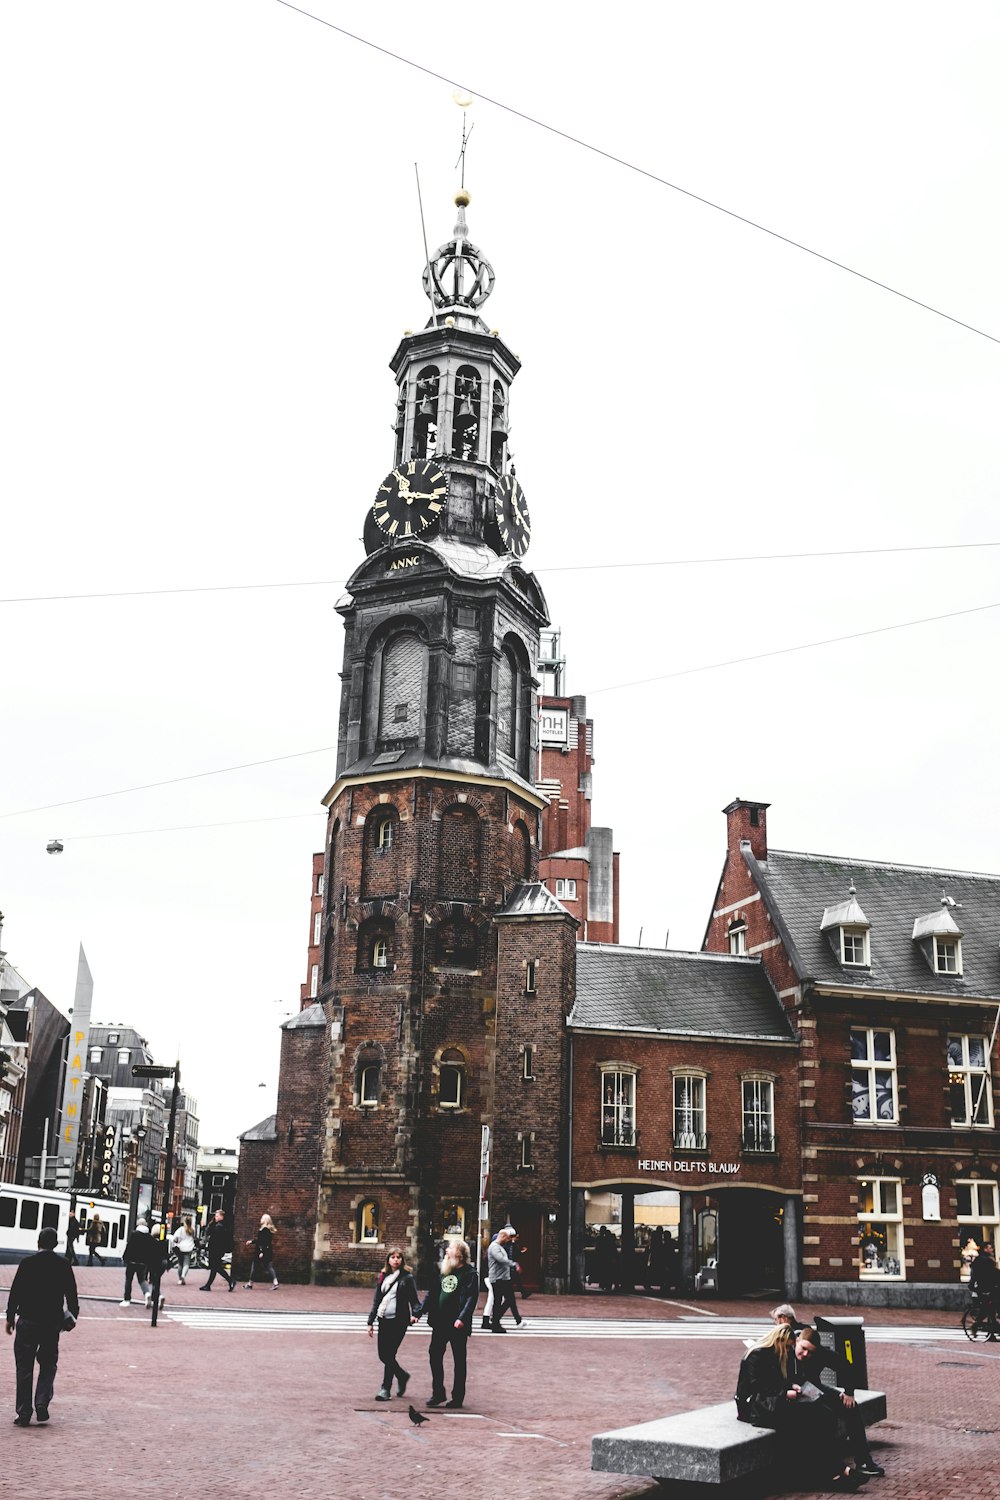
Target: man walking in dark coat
x=219 y=1241
x=72 y=1235
x=42 y=1283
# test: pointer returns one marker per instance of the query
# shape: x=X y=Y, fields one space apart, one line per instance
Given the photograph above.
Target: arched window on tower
x=400 y=423
x=380 y=858
x=468 y=401
x=457 y=945
x=451 y=1087
x=425 y=423
x=498 y=427
x=520 y=852
x=402 y=688
x=513 y=707
x=376 y=945
x=459 y=871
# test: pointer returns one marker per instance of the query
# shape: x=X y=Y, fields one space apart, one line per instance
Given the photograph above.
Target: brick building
x=441 y=972
x=684 y=1069
x=576 y=861
x=891 y=976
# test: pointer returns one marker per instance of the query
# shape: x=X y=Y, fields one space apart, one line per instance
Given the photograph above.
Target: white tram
x=26 y=1210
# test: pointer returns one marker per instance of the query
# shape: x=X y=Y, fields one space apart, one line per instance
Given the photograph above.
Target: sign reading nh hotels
x=553 y=724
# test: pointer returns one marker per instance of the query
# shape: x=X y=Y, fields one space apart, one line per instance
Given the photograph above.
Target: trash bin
x=843 y=1342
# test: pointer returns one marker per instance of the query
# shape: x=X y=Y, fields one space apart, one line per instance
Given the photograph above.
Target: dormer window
x=854 y=946
x=940 y=939
x=848 y=928
x=947 y=955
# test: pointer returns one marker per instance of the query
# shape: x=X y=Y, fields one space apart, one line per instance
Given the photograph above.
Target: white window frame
x=527 y=1151
x=868 y=1065
x=455 y=1070
x=368 y=1225
x=367 y=1094
x=980 y=1188
x=313 y=981
x=948 y=957
x=689 y=1111
x=888 y=1221
x=320 y=884
x=618 y=1107
x=975 y=1079
x=531 y=976
x=855 y=935
x=384 y=836
x=565 y=889
x=380 y=953
x=528 y=1061
x=737 y=940
x=95 y=1055
x=758 y=1114
x=317 y=928
x=123 y=1055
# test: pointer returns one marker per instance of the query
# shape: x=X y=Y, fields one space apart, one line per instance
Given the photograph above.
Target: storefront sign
x=710 y=1168
x=553 y=724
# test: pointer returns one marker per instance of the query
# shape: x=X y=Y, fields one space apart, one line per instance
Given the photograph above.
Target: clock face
x=511 y=510
x=411 y=498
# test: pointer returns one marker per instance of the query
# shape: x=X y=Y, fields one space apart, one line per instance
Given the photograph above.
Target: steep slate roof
x=682 y=994
x=311 y=1015
x=533 y=899
x=798 y=887
x=265 y=1131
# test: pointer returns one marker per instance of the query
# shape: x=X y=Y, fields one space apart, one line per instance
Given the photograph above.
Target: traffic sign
x=138 y=1071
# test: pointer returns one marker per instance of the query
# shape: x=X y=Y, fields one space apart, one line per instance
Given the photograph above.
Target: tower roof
x=458 y=278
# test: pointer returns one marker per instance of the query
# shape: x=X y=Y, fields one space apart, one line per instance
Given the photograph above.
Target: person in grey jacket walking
x=499 y=1275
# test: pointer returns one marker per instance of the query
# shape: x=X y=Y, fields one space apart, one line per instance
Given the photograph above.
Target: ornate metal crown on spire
x=459 y=275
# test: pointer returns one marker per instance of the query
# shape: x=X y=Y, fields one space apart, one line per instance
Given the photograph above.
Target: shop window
x=617 y=1108
x=873 y=1076
x=690 y=1132
x=368 y=1223
x=880 y=1228
x=969 y=1081
x=737 y=936
x=758 y=1114
x=978 y=1214
x=451 y=1090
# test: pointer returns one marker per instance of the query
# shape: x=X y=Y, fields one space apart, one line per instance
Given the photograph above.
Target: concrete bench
x=708 y=1446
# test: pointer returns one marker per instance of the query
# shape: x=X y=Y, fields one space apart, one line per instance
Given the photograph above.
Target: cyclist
x=984 y=1283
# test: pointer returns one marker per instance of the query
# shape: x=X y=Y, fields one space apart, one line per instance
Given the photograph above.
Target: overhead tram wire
x=662 y=562
x=630 y=166
x=712 y=666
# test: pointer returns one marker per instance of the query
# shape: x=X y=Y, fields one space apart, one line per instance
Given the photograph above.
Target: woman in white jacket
x=183 y=1242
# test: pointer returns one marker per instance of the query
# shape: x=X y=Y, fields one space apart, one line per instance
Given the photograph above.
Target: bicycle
x=979 y=1319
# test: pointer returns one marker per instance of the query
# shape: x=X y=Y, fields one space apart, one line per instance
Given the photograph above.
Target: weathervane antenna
x=427 y=257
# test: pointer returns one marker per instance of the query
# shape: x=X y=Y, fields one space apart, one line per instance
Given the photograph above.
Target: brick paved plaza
x=243 y=1411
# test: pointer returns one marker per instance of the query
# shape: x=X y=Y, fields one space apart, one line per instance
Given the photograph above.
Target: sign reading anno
x=403 y=562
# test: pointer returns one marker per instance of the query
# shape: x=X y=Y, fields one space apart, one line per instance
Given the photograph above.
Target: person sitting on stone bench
x=768 y=1395
x=809 y=1365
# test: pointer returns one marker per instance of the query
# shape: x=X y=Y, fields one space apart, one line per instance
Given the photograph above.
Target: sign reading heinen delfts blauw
x=710 y=1168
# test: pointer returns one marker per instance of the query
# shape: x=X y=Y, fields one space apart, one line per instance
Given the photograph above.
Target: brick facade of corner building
x=310 y=988
x=646 y=1025
x=899 y=1184
x=280 y=1158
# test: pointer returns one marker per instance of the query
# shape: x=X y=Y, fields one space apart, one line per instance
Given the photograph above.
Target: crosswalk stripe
x=576 y=1328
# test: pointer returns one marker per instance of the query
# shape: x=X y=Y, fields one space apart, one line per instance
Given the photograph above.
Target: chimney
x=747 y=822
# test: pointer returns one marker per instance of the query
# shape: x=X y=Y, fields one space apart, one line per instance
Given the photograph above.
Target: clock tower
x=430 y=1060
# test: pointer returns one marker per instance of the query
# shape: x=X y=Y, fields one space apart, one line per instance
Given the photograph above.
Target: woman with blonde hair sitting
x=767 y=1396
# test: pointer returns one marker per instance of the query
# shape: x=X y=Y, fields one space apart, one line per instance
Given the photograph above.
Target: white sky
x=211 y=248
